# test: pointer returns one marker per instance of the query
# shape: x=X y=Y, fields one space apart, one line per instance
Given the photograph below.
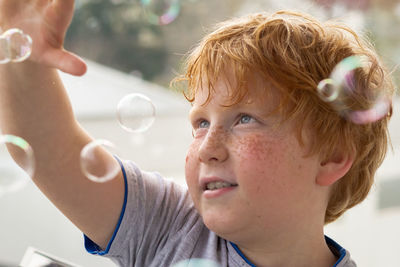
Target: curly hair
x=293 y=52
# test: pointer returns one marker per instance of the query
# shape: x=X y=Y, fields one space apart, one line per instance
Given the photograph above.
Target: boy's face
x=247 y=177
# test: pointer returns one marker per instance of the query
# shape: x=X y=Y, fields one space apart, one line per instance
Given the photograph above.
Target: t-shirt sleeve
x=148 y=218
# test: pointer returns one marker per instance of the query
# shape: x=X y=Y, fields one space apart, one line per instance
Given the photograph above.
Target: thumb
x=65 y=61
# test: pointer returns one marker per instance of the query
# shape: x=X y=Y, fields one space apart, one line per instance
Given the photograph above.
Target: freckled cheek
x=258 y=160
x=254 y=148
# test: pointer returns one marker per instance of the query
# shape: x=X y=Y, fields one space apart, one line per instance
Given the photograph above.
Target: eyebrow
x=200 y=109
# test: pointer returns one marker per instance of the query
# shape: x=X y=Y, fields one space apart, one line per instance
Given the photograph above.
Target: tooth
x=210 y=186
x=217 y=185
x=222 y=185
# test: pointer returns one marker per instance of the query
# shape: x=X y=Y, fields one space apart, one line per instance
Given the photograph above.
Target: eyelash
x=199 y=123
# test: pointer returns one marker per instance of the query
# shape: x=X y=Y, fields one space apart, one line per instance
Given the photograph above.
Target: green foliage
x=117 y=34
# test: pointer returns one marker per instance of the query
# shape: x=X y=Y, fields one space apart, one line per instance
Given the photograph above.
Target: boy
x=269 y=165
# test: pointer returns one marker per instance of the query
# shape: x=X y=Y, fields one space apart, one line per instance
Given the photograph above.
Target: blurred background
x=134 y=46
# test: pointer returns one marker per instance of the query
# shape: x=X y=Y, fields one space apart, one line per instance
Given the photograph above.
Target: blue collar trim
x=242 y=255
x=339 y=251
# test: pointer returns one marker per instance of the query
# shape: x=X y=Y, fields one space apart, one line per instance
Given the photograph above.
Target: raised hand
x=46 y=21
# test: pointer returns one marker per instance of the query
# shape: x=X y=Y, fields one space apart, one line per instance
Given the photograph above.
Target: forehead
x=228 y=91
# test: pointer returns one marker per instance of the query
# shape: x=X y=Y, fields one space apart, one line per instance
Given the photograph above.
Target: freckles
x=299 y=167
x=254 y=147
x=252 y=151
x=260 y=156
x=217 y=136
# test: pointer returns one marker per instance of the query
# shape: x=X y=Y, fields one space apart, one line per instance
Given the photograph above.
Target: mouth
x=218 y=185
x=217 y=189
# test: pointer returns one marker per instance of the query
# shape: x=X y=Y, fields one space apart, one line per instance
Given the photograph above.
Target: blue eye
x=245 y=119
x=204 y=124
x=200 y=128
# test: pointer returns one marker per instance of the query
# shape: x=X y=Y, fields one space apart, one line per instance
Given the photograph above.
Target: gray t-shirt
x=159 y=226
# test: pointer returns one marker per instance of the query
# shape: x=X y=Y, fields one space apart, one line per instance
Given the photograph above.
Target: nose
x=213 y=149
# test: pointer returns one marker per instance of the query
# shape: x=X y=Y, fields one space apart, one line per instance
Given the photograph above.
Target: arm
x=35 y=106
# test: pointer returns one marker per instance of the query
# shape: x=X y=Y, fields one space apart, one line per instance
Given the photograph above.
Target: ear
x=334 y=168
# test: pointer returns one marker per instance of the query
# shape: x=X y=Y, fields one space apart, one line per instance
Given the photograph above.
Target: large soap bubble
x=136 y=113
x=359 y=105
x=97 y=161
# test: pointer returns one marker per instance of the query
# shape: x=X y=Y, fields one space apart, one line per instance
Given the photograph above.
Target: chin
x=221 y=227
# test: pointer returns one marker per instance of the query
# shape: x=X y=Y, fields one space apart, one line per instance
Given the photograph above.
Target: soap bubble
x=97 y=161
x=161 y=12
x=359 y=105
x=12 y=176
x=4 y=51
x=19 y=44
x=327 y=90
x=196 y=262
x=136 y=113
x=380 y=109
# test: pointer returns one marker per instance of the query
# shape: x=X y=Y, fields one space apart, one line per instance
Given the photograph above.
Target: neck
x=303 y=250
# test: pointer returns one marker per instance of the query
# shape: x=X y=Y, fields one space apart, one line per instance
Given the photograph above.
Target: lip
x=209 y=194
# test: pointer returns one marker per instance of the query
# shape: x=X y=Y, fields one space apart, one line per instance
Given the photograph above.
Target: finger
x=65 y=61
x=63 y=4
x=60 y=14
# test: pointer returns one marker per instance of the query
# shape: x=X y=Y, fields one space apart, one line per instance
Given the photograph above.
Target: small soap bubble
x=97 y=161
x=19 y=44
x=161 y=12
x=359 y=105
x=196 y=262
x=13 y=176
x=328 y=90
x=136 y=113
x=4 y=51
